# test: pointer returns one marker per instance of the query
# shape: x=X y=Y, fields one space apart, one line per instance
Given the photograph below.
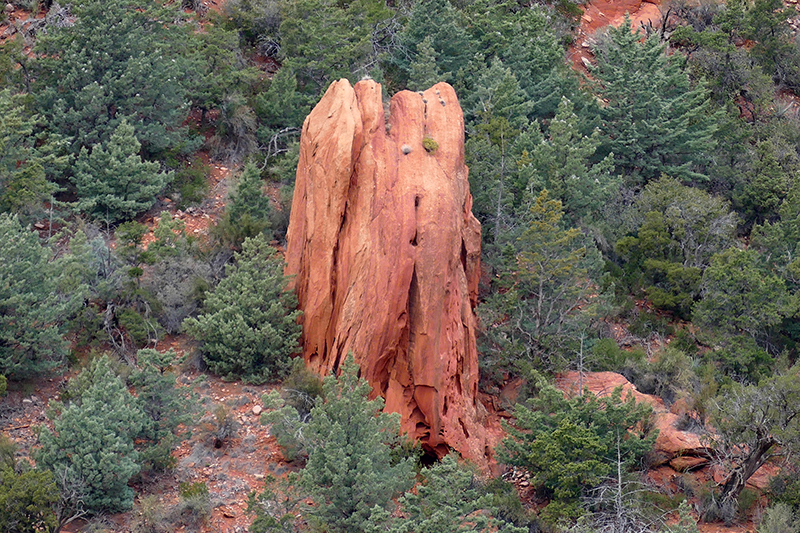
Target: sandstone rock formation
x=385 y=254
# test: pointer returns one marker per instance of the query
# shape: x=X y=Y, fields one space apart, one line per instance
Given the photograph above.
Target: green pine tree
x=27 y=496
x=112 y=182
x=324 y=40
x=424 y=70
x=654 y=121
x=249 y=327
x=166 y=405
x=351 y=467
x=118 y=60
x=92 y=442
x=561 y=165
x=31 y=310
x=24 y=161
x=450 y=499
x=249 y=211
x=570 y=445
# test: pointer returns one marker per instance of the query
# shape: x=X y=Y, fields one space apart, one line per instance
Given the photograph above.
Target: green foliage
x=350 y=468
x=92 y=444
x=275 y=508
x=249 y=211
x=740 y=296
x=281 y=106
x=191 y=490
x=26 y=500
x=302 y=387
x=287 y=422
x=450 y=499
x=561 y=165
x=685 y=524
x=570 y=445
x=249 y=327
x=674 y=231
x=779 y=518
x=553 y=297
x=113 y=183
x=753 y=423
x=166 y=405
x=191 y=182
x=430 y=144
x=117 y=62
x=322 y=40
x=31 y=311
x=25 y=158
x=742 y=360
x=655 y=122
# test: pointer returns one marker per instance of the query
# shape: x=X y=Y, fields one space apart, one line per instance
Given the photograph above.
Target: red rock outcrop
x=385 y=255
x=681 y=450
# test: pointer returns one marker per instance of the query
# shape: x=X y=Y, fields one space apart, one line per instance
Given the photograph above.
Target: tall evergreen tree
x=351 y=468
x=654 y=121
x=116 y=61
x=248 y=327
x=561 y=164
x=31 y=313
x=323 y=40
x=112 y=181
x=249 y=210
x=24 y=159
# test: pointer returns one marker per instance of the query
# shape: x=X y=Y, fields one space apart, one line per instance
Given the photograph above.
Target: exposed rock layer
x=385 y=252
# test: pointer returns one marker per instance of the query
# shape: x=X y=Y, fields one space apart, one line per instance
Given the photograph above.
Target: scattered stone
x=257 y=410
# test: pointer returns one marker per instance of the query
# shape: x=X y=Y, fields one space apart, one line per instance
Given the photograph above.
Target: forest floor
x=231 y=472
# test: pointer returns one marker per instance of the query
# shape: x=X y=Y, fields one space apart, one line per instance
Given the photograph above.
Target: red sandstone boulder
x=680 y=449
x=385 y=255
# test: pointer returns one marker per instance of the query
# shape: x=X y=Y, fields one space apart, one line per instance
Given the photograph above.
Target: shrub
x=92 y=445
x=26 y=498
x=430 y=144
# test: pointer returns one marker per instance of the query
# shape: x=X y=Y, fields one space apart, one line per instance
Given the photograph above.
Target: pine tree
x=27 y=496
x=113 y=183
x=561 y=165
x=323 y=40
x=570 y=445
x=450 y=499
x=165 y=404
x=741 y=296
x=118 y=61
x=351 y=468
x=424 y=70
x=92 y=444
x=249 y=211
x=555 y=276
x=654 y=121
x=249 y=327
x=31 y=312
x=23 y=179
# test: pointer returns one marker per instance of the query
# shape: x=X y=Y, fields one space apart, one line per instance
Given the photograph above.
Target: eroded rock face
x=385 y=252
